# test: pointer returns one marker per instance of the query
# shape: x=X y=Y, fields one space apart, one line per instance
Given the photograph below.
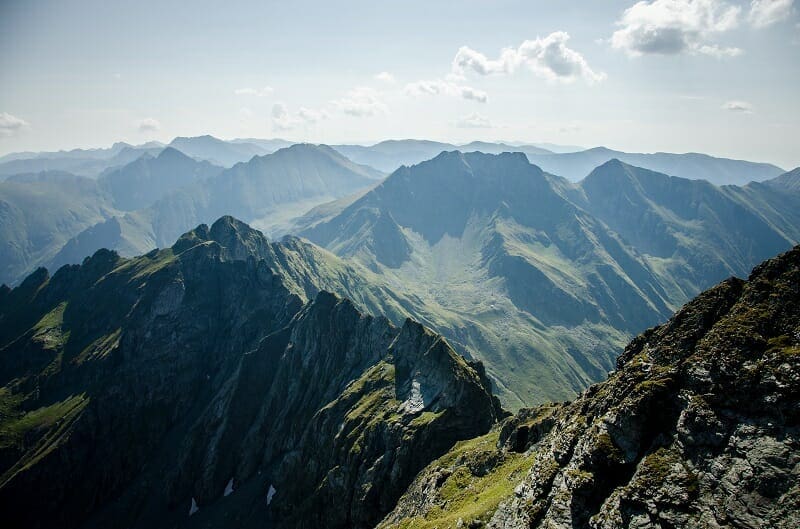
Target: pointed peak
x=171 y=153
x=226 y=226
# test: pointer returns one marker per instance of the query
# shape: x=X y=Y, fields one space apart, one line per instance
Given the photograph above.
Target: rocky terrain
x=698 y=427
x=196 y=386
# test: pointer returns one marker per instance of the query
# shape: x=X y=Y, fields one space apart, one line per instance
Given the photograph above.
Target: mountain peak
x=171 y=153
x=787 y=181
x=238 y=240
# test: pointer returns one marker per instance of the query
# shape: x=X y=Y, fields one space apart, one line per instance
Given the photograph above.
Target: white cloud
x=281 y=120
x=447 y=88
x=284 y=120
x=764 y=13
x=309 y=115
x=361 y=102
x=385 y=77
x=473 y=121
x=738 y=106
x=148 y=125
x=670 y=27
x=10 y=125
x=548 y=57
x=258 y=92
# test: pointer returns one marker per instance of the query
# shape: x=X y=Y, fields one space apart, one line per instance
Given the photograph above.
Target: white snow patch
x=193 y=508
x=270 y=493
x=228 y=488
x=414 y=403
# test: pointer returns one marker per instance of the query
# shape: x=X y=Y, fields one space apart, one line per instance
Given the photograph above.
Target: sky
x=711 y=76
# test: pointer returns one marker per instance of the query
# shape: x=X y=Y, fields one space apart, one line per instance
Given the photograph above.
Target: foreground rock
x=698 y=427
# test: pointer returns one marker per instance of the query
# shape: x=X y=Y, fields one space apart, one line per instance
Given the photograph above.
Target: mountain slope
x=268 y=192
x=789 y=181
x=495 y=258
x=40 y=212
x=547 y=277
x=147 y=179
x=698 y=427
x=135 y=391
x=694 y=232
x=45 y=212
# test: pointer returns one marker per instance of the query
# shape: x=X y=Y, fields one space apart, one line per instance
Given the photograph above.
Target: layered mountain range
x=52 y=220
x=544 y=279
x=573 y=164
x=217 y=383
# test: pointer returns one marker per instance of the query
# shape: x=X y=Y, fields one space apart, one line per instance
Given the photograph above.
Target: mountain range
x=573 y=163
x=390 y=155
x=543 y=279
x=152 y=200
x=217 y=383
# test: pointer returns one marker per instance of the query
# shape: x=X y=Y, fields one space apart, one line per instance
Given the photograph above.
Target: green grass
x=16 y=424
x=465 y=496
x=48 y=331
x=99 y=348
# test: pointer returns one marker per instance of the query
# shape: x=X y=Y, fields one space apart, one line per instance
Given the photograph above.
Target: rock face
x=195 y=386
x=698 y=427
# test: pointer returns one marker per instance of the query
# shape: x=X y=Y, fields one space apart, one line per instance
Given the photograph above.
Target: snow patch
x=228 y=488
x=414 y=403
x=193 y=508
x=270 y=493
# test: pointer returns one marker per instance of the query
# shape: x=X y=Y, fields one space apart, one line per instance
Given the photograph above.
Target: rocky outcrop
x=698 y=427
x=195 y=387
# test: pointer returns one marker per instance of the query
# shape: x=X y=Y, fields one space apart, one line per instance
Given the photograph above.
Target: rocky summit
x=698 y=427
x=195 y=386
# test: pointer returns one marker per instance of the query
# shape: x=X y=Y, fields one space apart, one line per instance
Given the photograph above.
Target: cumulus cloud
x=148 y=125
x=548 y=57
x=284 y=120
x=258 y=92
x=385 y=77
x=447 y=88
x=738 y=106
x=10 y=125
x=764 y=13
x=473 y=121
x=670 y=27
x=362 y=102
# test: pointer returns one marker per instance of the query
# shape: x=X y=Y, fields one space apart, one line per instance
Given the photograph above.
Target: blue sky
x=672 y=75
